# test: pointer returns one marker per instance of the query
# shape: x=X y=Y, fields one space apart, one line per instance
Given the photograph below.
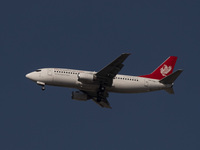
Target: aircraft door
x=146 y=83
x=49 y=72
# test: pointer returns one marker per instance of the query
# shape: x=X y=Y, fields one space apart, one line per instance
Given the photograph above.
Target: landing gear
x=100 y=93
x=98 y=99
x=43 y=88
x=101 y=88
x=41 y=84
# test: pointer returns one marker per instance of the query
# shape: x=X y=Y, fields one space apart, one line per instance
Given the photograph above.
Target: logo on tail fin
x=165 y=70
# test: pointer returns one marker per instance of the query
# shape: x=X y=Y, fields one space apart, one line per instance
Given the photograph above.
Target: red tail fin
x=165 y=69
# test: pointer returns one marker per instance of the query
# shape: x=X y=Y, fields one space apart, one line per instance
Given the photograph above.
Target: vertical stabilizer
x=165 y=69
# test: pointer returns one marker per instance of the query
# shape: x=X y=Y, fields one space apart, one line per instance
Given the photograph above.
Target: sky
x=88 y=35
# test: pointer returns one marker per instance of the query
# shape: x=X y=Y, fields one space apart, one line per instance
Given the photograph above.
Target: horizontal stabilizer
x=170 y=90
x=171 y=78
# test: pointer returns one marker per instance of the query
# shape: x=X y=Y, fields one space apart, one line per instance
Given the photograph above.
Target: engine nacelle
x=78 y=95
x=86 y=77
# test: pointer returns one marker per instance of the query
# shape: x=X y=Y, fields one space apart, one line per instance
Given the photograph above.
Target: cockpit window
x=38 y=70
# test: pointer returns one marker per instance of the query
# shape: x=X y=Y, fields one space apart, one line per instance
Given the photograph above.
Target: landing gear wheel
x=101 y=88
x=43 y=88
x=100 y=93
x=98 y=99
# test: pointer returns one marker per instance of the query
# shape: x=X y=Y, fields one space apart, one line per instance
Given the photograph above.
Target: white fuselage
x=69 y=78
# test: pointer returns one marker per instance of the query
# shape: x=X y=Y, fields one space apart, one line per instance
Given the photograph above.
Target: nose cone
x=28 y=75
x=31 y=76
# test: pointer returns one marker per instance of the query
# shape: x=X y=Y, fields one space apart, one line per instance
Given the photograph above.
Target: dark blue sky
x=88 y=35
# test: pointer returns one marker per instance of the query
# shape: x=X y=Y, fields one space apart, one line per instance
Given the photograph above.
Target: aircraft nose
x=28 y=75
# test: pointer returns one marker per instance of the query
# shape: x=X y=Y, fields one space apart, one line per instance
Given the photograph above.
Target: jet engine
x=78 y=95
x=86 y=77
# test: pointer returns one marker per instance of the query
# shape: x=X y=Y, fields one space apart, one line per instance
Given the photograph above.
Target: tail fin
x=165 y=69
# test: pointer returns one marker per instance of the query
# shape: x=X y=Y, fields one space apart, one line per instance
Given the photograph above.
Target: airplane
x=97 y=85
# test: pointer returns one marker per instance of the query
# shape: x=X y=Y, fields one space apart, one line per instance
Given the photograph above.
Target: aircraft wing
x=105 y=76
x=103 y=103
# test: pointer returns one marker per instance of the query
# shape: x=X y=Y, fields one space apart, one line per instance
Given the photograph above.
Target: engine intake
x=86 y=77
x=78 y=95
